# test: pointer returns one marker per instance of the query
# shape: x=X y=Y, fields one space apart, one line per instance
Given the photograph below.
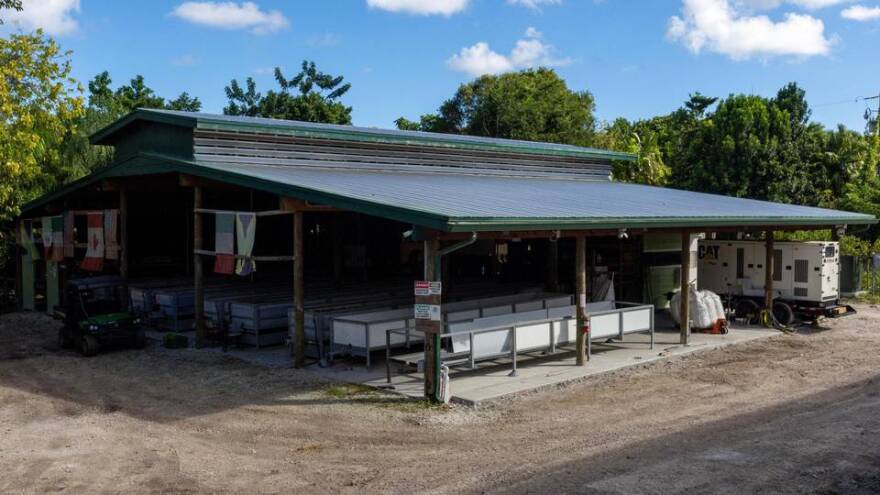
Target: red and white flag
x=94 y=260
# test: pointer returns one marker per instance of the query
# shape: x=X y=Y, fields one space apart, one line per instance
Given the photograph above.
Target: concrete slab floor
x=492 y=381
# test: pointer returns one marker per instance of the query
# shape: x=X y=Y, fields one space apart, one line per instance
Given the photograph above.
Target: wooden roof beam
x=294 y=204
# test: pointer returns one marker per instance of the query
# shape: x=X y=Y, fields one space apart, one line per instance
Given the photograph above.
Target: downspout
x=438 y=262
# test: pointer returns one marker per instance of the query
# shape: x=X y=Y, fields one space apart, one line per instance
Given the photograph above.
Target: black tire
x=88 y=346
x=139 y=339
x=783 y=313
x=746 y=308
x=64 y=340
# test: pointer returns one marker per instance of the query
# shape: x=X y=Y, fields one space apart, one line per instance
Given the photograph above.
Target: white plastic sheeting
x=706 y=308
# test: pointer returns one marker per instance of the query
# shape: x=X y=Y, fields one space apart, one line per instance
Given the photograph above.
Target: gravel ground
x=788 y=414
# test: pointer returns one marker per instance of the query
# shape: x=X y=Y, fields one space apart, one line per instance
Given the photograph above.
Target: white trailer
x=806 y=277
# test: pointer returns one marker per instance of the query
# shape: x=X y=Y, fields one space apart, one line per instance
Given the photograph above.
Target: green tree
x=310 y=96
x=39 y=107
x=532 y=105
x=112 y=104
x=643 y=138
x=861 y=191
x=185 y=103
x=750 y=146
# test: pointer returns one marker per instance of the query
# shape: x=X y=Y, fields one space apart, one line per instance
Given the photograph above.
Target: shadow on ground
x=155 y=384
x=825 y=443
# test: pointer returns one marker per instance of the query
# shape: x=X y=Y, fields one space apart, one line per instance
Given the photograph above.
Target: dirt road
x=788 y=414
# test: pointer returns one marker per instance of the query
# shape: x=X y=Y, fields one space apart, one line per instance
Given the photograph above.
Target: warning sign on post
x=427 y=312
x=425 y=288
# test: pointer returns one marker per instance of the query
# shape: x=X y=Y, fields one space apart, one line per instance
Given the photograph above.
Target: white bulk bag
x=705 y=308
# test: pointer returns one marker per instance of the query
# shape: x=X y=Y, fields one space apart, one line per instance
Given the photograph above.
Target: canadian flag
x=94 y=260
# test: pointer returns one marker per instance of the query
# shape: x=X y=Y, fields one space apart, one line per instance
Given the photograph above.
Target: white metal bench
x=489 y=338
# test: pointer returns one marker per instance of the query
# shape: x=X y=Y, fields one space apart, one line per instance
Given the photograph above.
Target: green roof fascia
x=512 y=224
x=99 y=137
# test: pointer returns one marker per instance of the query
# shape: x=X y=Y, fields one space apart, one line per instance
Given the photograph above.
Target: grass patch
x=868 y=298
x=308 y=448
x=371 y=396
x=348 y=390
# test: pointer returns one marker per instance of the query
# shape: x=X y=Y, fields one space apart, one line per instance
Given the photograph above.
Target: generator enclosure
x=806 y=273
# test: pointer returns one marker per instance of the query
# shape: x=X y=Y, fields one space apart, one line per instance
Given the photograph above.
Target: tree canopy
x=533 y=105
x=39 y=107
x=310 y=96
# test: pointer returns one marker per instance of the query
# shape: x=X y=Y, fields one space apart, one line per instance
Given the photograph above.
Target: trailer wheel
x=783 y=313
x=748 y=309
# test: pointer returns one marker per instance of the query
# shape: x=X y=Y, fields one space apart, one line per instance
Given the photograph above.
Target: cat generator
x=806 y=278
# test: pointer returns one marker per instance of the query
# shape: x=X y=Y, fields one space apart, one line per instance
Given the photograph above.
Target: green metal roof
x=464 y=203
x=347 y=133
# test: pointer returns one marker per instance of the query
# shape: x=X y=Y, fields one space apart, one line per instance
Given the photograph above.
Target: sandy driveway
x=788 y=414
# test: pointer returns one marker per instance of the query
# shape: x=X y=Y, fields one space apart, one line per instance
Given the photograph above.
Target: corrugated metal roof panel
x=467 y=202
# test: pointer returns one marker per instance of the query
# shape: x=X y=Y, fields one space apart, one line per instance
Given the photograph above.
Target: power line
x=839 y=102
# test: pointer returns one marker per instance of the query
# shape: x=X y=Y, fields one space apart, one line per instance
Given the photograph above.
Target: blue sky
x=404 y=57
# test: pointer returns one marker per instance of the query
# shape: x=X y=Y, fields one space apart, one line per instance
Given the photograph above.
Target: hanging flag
x=224 y=243
x=111 y=223
x=246 y=229
x=27 y=238
x=46 y=234
x=69 y=241
x=94 y=260
x=57 y=238
x=53 y=238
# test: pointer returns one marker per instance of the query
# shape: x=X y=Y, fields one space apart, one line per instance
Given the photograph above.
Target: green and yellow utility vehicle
x=96 y=316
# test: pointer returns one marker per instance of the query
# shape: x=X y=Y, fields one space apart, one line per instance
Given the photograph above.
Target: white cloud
x=421 y=7
x=231 y=15
x=861 y=13
x=806 y=4
x=715 y=25
x=479 y=59
x=817 y=4
x=534 y=4
x=53 y=16
x=529 y=52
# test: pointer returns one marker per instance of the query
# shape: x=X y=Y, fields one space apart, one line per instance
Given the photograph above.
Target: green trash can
x=850 y=275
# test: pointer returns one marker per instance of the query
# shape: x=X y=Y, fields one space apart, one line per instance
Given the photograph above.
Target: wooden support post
x=201 y=333
x=430 y=247
x=685 y=309
x=552 y=278
x=123 y=232
x=19 y=268
x=580 y=277
x=299 y=353
x=768 y=271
